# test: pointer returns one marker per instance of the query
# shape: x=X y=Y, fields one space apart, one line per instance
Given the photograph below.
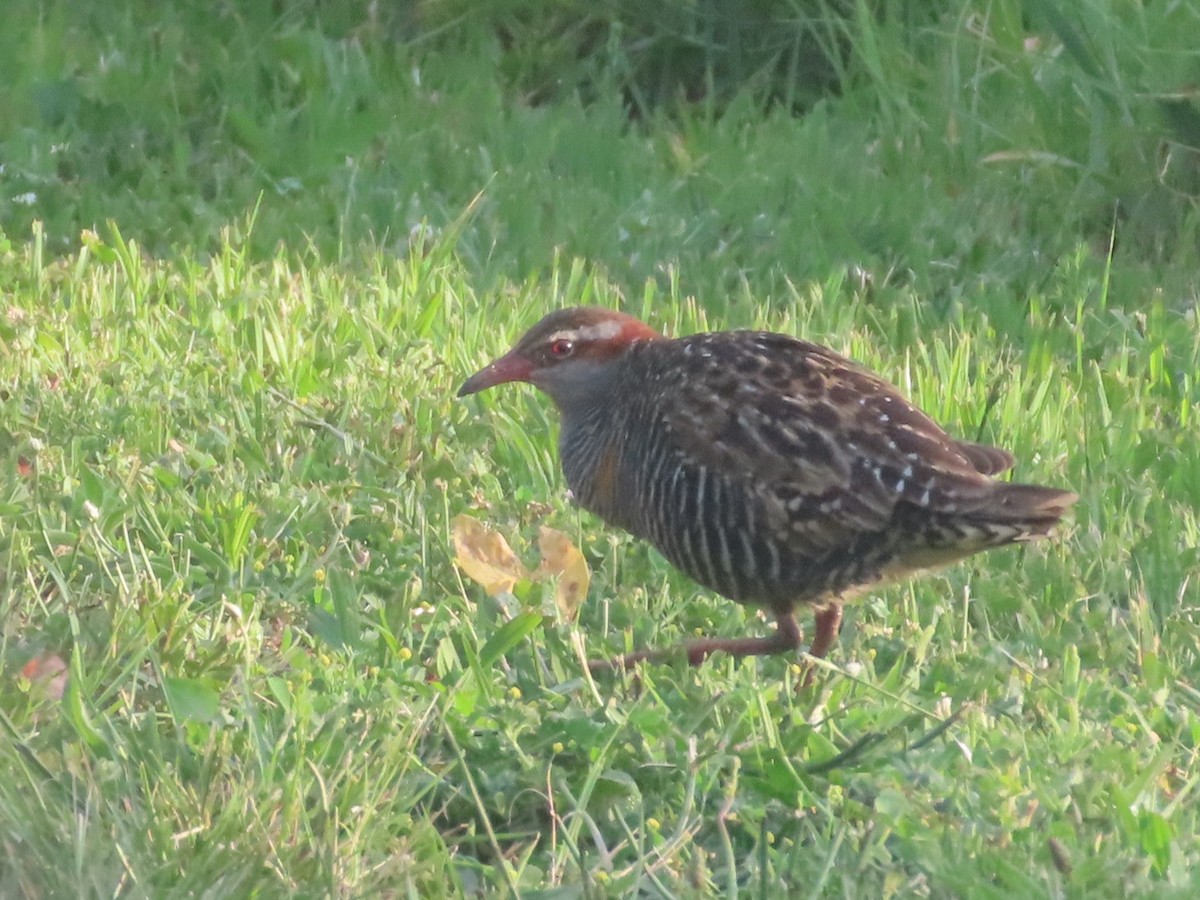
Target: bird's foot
x=786 y=637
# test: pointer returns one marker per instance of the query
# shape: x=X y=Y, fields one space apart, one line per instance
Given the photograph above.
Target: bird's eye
x=562 y=348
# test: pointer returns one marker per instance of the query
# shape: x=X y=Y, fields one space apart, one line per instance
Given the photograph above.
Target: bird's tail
x=1005 y=514
x=1030 y=509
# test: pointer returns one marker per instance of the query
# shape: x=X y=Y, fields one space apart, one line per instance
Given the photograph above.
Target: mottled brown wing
x=830 y=447
x=987 y=460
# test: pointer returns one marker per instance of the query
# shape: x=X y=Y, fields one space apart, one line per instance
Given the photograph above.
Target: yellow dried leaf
x=562 y=559
x=484 y=555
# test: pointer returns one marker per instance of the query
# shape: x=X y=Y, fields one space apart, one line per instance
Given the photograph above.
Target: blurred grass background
x=758 y=138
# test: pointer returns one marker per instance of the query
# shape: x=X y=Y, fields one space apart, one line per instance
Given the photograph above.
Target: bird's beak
x=507 y=368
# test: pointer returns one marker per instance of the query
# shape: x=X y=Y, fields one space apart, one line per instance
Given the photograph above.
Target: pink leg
x=826 y=623
x=787 y=636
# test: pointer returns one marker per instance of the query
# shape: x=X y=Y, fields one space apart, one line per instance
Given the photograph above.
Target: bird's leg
x=787 y=636
x=827 y=622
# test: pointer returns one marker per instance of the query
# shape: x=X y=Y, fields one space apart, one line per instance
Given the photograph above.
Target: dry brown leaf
x=562 y=559
x=484 y=555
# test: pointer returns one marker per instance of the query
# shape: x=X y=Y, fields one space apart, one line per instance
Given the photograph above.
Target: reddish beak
x=507 y=368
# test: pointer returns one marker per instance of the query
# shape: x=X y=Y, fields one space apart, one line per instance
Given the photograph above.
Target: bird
x=768 y=469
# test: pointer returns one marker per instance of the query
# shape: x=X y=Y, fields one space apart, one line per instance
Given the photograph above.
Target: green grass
x=230 y=455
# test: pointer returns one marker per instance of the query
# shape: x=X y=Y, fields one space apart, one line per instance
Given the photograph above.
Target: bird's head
x=568 y=354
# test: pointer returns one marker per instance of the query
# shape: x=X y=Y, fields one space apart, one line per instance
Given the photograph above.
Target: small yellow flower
x=514 y=692
x=319 y=575
x=557 y=747
x=405 y=654
x=653 y=824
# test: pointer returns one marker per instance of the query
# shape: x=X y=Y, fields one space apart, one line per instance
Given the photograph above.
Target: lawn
x=248 y=256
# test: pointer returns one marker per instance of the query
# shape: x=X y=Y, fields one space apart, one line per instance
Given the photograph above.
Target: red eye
x=562 y=348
